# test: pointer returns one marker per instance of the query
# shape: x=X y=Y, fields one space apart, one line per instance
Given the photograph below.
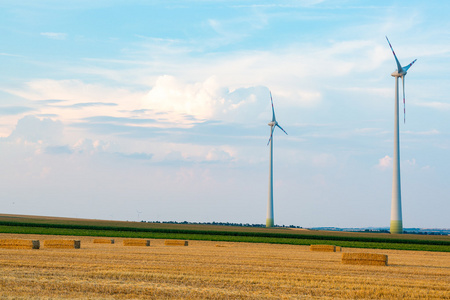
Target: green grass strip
x=208 y=236
x=234 y=233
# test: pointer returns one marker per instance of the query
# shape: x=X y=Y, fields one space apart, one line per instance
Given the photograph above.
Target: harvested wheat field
x=212 y=270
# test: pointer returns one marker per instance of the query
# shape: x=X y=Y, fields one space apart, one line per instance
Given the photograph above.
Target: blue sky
x=110 y=108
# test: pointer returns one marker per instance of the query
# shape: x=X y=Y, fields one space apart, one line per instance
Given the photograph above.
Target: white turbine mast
x=396 y=202
x=272 y=124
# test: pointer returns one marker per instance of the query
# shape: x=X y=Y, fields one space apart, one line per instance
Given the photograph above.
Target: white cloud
x=55 y=35
x=226 y=35
x=411 y=162
x=367 y=90
x=309 y=98
x=35 y=130
x=90 y=147
x=323 y=160
x=8 y=54
x=384 y=163
x=72 y=90
x=75 y=100
x=368 y=131
x=204 y=100
x=170 y=103
x=172 y=96
x=176 y=153
x=216 y=155
x=435 y=105
x=430 y=132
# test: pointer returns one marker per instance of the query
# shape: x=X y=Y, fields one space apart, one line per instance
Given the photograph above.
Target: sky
x=158 y=110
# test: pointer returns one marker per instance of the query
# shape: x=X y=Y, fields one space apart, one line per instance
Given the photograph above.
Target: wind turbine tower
x=272 y=124
x=396 y=202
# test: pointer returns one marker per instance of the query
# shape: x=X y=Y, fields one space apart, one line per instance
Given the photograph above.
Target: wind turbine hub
x=397 y=74
x=272 y=123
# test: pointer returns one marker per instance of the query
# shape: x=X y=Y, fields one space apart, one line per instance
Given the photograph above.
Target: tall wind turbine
x=396 y=202
x=272 y=124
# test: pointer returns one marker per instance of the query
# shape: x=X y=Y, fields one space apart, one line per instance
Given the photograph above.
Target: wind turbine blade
x=404 y=108
x=406 y=68
x=273 y=110
x=281 y=128
x=271 y=134
x=399 y=67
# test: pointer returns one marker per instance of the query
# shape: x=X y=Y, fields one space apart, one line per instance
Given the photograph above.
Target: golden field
x=215 y=270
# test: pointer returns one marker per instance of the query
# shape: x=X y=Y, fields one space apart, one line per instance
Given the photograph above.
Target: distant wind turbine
x=272 y=124
x=396 y=203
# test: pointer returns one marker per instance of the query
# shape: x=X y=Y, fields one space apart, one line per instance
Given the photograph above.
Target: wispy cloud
x=324 y=160
x=90 y=104
x=430 y=132
x=8 y=54
x=116 y=120
x=55 y=35
x=139 y=156
x=285 y=4
x=435 y=105
x=14 y=110
x=411 y=162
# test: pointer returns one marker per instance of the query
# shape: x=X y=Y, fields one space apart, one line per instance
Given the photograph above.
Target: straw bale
x=62 y=244
x=136 y=242
x=364 y=259
x=323 y=248
x=364 y=256
x=364 y=262
x=19 y=244
x=103 y=241
x=338 y=248
x=175 y=243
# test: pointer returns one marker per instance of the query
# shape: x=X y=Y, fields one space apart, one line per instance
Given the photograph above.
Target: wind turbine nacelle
x=396 y=73
x=272 y=123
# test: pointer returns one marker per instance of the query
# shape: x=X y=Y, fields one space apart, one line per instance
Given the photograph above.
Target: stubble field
x=215 y=270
